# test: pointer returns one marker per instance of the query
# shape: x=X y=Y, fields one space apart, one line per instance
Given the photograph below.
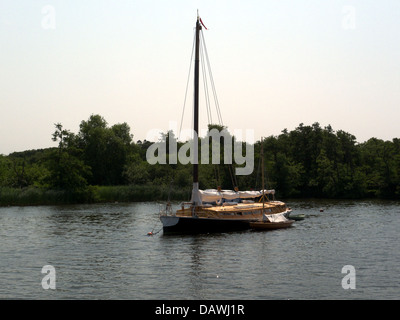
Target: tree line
x=309 y=161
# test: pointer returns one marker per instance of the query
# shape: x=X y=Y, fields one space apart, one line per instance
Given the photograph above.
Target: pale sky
x=276 y=64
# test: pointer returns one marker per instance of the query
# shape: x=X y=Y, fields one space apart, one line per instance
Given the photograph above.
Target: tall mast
x=195 y=193
x=262 y=170
x=196 y=100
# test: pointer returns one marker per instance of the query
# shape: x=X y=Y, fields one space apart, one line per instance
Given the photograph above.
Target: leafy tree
x=106 y=150
x=67 y=170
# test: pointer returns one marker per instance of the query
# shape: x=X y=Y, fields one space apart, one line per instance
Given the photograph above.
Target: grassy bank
x=135 y=193
x=95 y=194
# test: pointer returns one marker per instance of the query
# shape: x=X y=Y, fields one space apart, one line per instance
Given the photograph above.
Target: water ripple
x=103 y=252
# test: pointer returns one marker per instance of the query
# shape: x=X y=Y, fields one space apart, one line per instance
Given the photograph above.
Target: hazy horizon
x=276 y=64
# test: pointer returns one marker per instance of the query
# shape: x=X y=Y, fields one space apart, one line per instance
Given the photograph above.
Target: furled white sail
x=213 y=195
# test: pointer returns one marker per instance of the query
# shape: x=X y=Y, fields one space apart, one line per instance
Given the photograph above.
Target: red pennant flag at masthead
x=203 y=24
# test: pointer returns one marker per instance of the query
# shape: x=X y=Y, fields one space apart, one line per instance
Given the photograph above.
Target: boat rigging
x=215 y=210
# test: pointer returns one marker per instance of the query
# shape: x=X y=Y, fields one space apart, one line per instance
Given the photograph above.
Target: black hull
x=191 y=225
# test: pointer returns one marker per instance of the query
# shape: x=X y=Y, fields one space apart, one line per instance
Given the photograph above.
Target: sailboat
x=216 y=210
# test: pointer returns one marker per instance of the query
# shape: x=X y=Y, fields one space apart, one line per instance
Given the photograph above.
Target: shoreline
x=34 y=196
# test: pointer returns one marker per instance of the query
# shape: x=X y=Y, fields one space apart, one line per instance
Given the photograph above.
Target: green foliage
x=66 y=170
x=102 y=163
x=137 y=171
x=145 y=192
x=105 y=150
x=332 y=164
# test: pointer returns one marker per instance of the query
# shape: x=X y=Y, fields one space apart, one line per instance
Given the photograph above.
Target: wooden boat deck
x=251 y=211
x=243 y=207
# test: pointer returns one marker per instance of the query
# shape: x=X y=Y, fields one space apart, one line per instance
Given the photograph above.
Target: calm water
x=103 y=252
